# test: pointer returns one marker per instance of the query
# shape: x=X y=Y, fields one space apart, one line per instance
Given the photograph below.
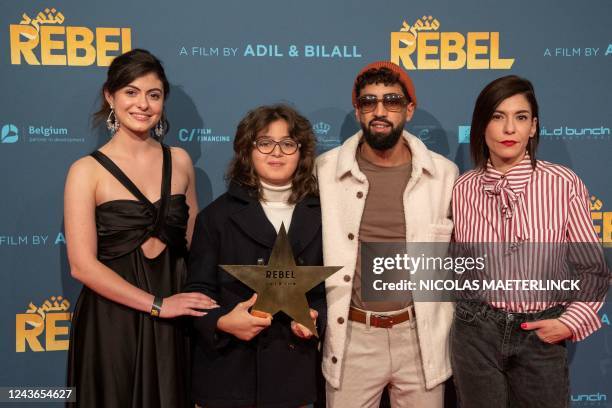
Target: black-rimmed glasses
x=267 y=146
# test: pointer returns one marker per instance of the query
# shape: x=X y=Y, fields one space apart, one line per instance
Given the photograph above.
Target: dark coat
x=276 y=368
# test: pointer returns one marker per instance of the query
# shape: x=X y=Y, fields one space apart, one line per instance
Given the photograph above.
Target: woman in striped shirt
x=509 y=352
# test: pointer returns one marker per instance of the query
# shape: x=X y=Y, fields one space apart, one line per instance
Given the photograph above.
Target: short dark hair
x=126 y=68
x=241 y=169
x=487 y=102
x=379 y=76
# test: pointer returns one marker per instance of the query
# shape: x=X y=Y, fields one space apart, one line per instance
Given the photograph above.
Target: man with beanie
x=383 y=185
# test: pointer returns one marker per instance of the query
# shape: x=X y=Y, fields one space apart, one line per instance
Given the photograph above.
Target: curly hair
x=241 y=169
x=379 y=76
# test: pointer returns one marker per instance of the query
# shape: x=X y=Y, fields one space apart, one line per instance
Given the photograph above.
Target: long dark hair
x=241 y=169
x=123 y=70
x=489 y=99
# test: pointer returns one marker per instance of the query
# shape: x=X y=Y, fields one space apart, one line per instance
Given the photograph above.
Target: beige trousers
x=376 y=358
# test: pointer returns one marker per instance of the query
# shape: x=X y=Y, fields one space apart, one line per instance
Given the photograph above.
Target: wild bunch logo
x=49 y=322
x=602 y=221
x=44 y=40
x=422 y=46
x=589 y=400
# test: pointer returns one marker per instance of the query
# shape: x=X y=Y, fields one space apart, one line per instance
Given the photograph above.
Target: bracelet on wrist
x=156 y=306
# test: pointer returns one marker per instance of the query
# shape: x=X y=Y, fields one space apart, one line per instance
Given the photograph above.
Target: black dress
x=119 y=356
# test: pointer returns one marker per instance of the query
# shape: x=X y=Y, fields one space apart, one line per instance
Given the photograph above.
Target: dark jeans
x=496 y=364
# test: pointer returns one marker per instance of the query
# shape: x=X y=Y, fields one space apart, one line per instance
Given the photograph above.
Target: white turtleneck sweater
x=275 y=204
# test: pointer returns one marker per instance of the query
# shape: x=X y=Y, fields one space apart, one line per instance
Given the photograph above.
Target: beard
x=381 y=141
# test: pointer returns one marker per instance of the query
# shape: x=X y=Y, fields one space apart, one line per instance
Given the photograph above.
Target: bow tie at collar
x=508 y=198
x=509 y=190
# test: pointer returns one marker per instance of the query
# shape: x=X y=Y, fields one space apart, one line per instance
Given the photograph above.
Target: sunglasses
x=267 y=146
x=391 y=101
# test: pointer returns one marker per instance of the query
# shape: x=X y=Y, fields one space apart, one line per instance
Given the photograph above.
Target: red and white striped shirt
x=548 y=204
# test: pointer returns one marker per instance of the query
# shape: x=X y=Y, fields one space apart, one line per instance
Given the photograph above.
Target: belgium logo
x=422 y=46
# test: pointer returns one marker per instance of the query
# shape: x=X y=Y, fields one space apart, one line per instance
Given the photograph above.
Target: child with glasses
x=241 y=359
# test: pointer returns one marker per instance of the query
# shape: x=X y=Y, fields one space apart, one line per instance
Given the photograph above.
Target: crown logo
x=321 y=128
x=596 y=204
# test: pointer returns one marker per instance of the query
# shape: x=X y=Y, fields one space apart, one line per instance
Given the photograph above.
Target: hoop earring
x=111 y=122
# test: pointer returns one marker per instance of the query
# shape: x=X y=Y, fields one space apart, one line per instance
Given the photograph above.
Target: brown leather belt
x=384 y=322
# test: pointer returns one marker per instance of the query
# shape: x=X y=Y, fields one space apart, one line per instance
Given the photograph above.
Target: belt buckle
x=384 y=322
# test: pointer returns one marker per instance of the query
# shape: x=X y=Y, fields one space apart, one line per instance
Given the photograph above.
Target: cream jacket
x=426 y=208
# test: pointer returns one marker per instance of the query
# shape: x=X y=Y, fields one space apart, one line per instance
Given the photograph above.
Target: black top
x=129 y=223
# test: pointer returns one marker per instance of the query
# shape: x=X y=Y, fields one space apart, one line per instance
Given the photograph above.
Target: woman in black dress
x=129 y=209
x=241 y=360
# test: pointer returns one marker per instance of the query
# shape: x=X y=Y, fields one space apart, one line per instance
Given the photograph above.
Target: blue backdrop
x=224 y=58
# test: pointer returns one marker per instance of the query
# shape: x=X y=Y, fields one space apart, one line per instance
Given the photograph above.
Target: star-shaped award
x=282 y=285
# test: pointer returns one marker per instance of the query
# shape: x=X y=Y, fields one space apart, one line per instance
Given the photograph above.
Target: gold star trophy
x=281 y=285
